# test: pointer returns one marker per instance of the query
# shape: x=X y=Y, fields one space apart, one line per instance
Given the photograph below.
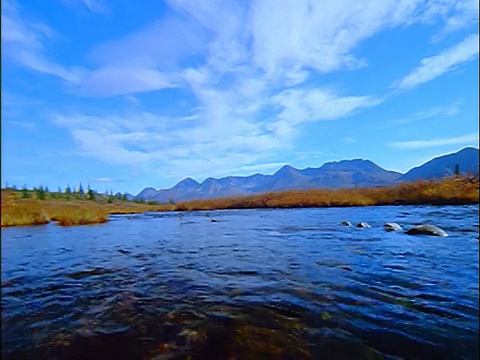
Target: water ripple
x=278 y=284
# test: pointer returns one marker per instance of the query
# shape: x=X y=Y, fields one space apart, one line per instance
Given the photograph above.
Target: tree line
x=72 y=193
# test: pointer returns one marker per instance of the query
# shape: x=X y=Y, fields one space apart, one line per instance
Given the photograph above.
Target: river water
x=254 y=284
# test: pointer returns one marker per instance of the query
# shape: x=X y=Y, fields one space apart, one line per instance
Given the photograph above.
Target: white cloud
x=227 y=134
x=279 y=42
x=349 y=140
x=288 y=36
x=151 y=142
x=95 y=6
x=162 y=44
x=110 y=81
x=301 y=105
x=421 y=144
x=435 y=66
x=246 y=64
x=104 y=180
x=438 y=111
x=24 y=42
x=457 y=15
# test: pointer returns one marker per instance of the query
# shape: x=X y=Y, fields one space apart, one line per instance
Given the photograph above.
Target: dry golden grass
x=81 y=212
x=23 y=212
x=455 y=190
x=17 y=211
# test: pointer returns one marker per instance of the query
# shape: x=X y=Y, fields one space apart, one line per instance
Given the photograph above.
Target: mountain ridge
x=331 y=175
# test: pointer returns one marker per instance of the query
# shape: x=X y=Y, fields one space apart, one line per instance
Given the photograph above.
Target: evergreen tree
x=68 y=191
x=110 y=197
x=90 y=194
x=25 y=192
x=40 y=193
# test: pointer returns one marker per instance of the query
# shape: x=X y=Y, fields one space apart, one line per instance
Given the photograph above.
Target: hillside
x=344 y=174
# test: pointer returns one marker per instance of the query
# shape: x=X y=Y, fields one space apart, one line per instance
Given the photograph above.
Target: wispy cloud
x=105 y=180
x=95 y=6
x=421 y=144
x=24 y=42
x=235 y=61
x=435 y=66
x=153 y=142
x=301 y=105
x=227 y=131
x=440 y=111
x=121 y=80
x=349 y=140
x=24 y=125
x=276 y=43
x=17 y=110
x=457 y=15
x=248 y=69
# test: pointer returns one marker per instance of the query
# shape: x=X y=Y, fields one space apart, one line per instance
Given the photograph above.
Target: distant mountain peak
x=149 y=188
x=188 y=182
x=468 y=148
x=465 y=159
x=331 y=175
x=285 y=169
x=351 y=165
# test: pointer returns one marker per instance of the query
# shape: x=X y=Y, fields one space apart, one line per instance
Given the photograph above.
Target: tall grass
x=76 y=212
x=18 y=211
x=453 y=190
x=24 y=212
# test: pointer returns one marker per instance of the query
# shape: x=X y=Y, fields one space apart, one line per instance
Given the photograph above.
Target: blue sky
x=125 y=94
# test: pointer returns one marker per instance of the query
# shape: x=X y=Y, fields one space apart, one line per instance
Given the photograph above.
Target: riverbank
x=448 y=191
x=17 y=211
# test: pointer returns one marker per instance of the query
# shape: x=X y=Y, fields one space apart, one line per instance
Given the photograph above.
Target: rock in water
x=392 y=226
x=426 y=229
x=346 y=223
x=363 y=225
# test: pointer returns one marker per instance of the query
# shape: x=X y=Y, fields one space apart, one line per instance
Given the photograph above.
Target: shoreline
x=54 y=221
x=455 y=191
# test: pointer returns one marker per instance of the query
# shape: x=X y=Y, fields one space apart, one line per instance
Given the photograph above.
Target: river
x=253 y=284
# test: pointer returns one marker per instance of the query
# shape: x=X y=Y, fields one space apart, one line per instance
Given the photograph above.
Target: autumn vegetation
x=39 y=206
x=449 y=191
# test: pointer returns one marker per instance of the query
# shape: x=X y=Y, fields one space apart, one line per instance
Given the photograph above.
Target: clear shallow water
x=255 y=284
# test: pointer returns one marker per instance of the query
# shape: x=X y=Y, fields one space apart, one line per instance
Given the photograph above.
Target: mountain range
x=331 y=175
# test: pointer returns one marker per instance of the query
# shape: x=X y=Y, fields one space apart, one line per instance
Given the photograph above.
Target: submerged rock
x=346 y=223
x=363 y=225
x=391 y=226
x=426 y=229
